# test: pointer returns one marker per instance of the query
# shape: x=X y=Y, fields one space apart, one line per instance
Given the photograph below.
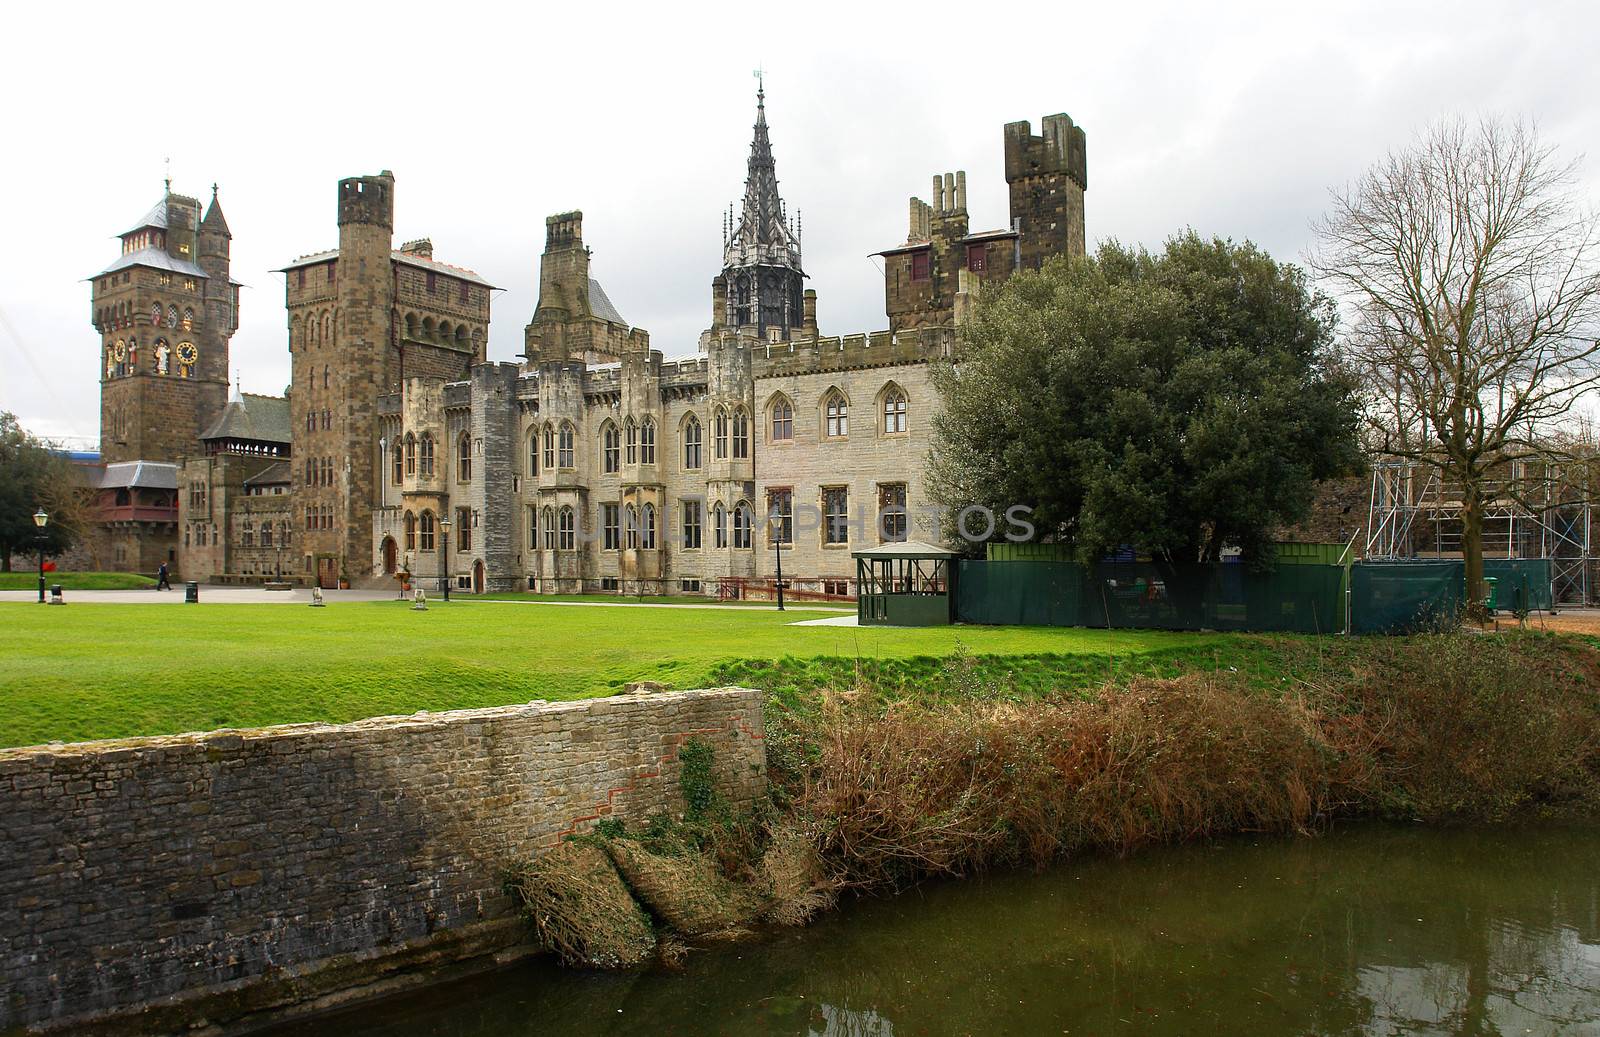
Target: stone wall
x=150 y=883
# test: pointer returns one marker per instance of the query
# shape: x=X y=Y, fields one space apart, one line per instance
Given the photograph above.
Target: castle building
x=595 y=463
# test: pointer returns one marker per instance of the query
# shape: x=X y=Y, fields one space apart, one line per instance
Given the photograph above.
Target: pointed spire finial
x=213 y=189
x=167 y=178
x=761 y=88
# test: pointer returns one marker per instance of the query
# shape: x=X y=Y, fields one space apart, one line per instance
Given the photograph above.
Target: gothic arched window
x=411 y=453
x=691 y=443
x=610 y=448
x=741 y=526
x=719 y=436
x=631 y=441
x=568 y=528
x=894 y=410
x=425 y=452
x=647 y=527
x=741 y=434
x=647 y=441
x=411 y=532
x=564 y=445
x=782 y=419
x=464 y=458
x=836 y=413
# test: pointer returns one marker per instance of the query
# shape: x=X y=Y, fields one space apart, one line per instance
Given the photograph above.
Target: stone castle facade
x=596 y=463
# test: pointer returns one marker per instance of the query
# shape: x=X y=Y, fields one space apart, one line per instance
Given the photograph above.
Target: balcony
x=138 y=513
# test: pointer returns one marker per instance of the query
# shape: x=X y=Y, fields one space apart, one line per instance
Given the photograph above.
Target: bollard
x=191 y=593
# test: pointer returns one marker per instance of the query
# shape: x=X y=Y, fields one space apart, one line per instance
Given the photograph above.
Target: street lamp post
x=41 y=518
x=777 y=548
x=444 y=574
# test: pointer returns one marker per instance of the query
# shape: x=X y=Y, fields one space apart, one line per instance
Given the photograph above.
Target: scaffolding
x=1537 y=509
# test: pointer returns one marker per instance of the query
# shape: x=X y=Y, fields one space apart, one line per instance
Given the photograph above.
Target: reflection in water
x=1367 y=931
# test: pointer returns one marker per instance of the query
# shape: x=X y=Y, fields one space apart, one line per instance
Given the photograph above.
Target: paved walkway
x=208 y=596
x=831 y=621
x=302 y=596
x=653 y=605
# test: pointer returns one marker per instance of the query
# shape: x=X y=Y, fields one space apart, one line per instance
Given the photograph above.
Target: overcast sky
x=1234 y=119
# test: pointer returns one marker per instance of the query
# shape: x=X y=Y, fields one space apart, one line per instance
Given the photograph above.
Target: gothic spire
x=763 y=281
x=762 y=235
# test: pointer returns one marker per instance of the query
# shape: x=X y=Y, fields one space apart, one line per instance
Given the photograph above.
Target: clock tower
x=165 y=311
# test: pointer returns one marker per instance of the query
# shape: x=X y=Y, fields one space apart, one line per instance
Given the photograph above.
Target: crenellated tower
x=1048 y=175
x=762 y=284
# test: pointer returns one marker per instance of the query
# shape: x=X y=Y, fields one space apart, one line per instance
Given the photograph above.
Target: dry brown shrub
x=686 y=892
x=912 y=791
x=582 y=910
x=1466 y=728
x=793 y=879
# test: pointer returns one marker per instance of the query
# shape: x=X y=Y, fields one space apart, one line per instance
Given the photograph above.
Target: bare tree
x=1471 y=265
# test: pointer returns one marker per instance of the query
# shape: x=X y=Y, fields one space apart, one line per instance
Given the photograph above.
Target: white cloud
x=1233 y=119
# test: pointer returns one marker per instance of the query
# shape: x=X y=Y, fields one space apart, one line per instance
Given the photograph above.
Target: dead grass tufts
x=685 y=892
x=581 y=909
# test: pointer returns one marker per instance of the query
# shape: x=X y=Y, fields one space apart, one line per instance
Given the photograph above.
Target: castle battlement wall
x=851 y=352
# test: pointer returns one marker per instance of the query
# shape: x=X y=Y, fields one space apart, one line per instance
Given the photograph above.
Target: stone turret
x=1048 y=176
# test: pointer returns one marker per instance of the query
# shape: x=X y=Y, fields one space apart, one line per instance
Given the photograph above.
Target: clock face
x=187 y=352
x=120 y=353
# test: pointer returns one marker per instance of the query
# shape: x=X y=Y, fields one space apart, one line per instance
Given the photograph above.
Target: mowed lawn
x=103 y=671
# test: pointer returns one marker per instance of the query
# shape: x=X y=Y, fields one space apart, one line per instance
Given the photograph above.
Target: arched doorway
x=477 y=577
x=389 y=560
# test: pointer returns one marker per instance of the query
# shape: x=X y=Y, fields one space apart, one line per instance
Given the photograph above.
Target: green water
x=1373 y=930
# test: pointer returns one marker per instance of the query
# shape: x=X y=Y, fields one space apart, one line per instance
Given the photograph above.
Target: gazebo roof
x=904 y=549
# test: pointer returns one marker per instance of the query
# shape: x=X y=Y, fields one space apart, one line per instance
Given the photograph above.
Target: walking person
x=161 y=578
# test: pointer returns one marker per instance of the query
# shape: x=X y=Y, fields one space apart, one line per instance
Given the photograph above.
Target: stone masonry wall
x=157 y=881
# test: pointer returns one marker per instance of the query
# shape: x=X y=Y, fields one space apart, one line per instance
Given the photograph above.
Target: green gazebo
x=906 y=584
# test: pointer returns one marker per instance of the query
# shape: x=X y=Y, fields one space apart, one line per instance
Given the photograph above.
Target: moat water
x=1372 y=930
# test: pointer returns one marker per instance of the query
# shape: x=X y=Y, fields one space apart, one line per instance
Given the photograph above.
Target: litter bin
x=191 y=593
x=55 y=595
x=1490 y=591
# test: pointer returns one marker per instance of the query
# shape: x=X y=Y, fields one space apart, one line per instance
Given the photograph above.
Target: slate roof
x=273 y=474
x=600 y=304
x=260 y=419
x=156 y=258
x=408 y=258
x=155 y=475
x=156 y=217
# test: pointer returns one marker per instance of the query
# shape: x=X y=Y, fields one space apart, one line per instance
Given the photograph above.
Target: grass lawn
x=27 y=581
x=102 y=671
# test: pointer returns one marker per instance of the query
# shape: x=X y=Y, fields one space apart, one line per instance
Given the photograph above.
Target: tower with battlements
x=1047 y=176
x=363 y=319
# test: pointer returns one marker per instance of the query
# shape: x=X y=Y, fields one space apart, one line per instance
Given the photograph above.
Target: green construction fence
x=1040 y=591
